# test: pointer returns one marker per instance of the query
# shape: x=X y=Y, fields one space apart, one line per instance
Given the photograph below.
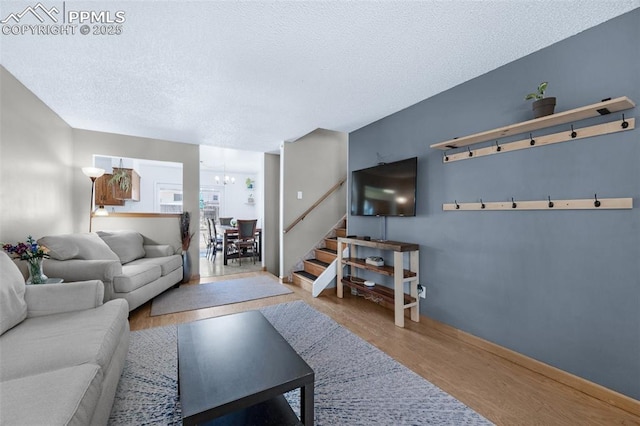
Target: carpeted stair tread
x=328 y=250
x=306 y=275
x=318 y=262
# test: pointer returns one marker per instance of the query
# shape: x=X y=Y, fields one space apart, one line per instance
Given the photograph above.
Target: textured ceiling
x=249 y=75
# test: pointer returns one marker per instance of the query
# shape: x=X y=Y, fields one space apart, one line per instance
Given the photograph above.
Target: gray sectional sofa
x=129 y=268
x=62 y=350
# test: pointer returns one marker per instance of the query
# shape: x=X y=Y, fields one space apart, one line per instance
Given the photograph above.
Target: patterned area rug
x=190 y=297
x=356 y=383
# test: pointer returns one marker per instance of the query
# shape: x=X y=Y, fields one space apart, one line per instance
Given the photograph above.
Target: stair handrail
x=316 y=204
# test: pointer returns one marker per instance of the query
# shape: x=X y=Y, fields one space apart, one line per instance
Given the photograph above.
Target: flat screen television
x=388 y=189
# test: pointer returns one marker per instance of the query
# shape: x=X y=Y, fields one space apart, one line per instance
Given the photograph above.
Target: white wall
x=271 y=229
x=36 y=167
x=312 y=164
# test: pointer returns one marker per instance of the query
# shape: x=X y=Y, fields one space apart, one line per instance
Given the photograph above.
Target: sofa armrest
x=158 y=250
x=83 y=270
x=48 y=299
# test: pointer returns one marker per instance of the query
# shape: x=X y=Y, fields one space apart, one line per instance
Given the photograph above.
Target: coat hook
x=573 y=132
x=457 y=205
x=625 y=124
x=470 y=153
x=596 y=203
x=513 y=204
x=482 y=206
x=498 y=147
x=550 y=202
x=446 y=157
x=532 y=141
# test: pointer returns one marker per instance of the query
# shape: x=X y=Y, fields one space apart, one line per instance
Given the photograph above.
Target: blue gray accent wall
x=562 y=287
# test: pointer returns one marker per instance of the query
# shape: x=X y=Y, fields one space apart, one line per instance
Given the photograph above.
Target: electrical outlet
x=422 y=293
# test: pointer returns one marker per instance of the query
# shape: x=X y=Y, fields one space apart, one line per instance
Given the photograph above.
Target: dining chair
x=210 y=239
x=207 y=240
x=246 y=239
x=216 y=237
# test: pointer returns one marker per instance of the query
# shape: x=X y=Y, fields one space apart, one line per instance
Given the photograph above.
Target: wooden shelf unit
x=572 y=115
x=395 y=295
x=377 y=291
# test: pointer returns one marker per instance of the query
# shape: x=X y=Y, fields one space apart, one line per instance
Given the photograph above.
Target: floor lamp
x=93 y=173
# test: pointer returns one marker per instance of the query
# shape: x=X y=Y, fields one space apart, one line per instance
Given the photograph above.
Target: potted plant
x=541 y=106
x=122 y=178
x=249 y=182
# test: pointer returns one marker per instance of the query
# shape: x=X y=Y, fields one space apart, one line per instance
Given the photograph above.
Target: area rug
x=190 y=297
x=356 y=383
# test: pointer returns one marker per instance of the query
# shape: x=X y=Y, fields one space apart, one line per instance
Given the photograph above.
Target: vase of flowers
x=34 y=254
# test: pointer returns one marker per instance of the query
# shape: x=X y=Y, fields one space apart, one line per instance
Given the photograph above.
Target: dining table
x=229 y=234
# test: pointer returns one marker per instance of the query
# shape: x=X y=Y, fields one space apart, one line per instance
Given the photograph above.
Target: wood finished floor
x=500 y=390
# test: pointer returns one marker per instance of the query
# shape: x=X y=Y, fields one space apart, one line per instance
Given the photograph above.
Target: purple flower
x=26 y=251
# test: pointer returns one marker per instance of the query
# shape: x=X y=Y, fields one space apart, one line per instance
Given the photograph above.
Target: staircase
x=320 y=270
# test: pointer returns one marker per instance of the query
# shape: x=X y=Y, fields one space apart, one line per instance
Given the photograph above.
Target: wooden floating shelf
x=384 y=270
x=379 y=291
x=582 y=133
x=381 y=244
x=588 y=204
x=589 y=111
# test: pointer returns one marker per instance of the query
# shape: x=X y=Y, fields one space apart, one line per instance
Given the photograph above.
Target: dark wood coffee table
x=235 y=368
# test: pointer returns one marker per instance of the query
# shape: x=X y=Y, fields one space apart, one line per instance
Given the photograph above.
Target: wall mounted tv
x=388 y=189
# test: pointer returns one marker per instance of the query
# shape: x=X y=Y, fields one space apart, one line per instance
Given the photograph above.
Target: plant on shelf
x=539 y=94
x=249 y=182
x=541 y=106
x=121 y=177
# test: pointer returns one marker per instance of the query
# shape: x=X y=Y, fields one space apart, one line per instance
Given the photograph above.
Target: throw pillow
x=128 y=245
x=13 y=308
x=77 y=246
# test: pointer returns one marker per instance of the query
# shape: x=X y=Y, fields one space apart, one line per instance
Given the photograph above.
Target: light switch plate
x=299 y=195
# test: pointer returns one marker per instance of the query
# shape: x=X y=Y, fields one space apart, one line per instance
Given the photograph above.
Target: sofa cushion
x=128 y=245
x=62 y=340
x=13 y=308
x=67 y=396
x=77 y=246
x=168 y=264
x=135 y=276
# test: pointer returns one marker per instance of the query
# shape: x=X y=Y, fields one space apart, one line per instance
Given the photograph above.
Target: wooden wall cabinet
x=104 y=193
x=396 y=295
x=112 y=195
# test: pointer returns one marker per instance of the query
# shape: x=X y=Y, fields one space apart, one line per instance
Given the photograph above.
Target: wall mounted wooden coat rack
x=535 y=141
x=548 y=204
